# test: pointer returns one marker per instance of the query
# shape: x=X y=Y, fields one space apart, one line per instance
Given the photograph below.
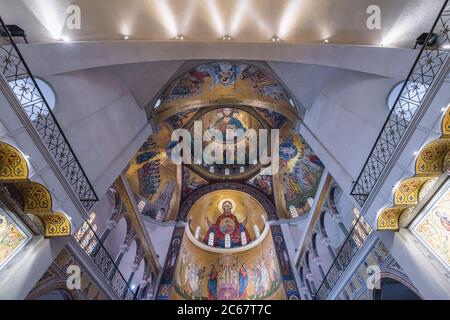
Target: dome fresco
x=224 y=83
x=224 y=95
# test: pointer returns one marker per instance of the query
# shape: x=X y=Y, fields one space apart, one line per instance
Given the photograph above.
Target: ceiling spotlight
x=226 y=37
x=65 y=39
x=275 y=38
x=429 y=39
x=179 y=37
x=326 y=41
x=14 y=31
x=126 y=37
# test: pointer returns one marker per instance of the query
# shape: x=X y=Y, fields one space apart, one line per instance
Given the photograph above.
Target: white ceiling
x=340 y=21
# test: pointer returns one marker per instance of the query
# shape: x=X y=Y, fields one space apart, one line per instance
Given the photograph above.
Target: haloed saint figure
x=227 y=231
x=227 y=120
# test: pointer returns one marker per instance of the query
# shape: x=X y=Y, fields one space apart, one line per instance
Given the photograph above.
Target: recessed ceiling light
x=179 y=37
x=275 y=38
x=226 y=37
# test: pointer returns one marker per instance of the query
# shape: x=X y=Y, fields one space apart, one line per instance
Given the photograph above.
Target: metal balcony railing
x=407 y=106
x=17 y=74
x=91 y=244
x=356 y=238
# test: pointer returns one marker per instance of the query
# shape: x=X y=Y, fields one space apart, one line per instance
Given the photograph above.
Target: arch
x=128 y=259
x=332 y=198
x=214 y=83
x=399 y=289
x=13 y=165
x=321 y=225
x=407 y=192
x=34 y=199
x=187 y=204
x=431 y=162
x=309 y=270
x=52 y=290
x=116 y=238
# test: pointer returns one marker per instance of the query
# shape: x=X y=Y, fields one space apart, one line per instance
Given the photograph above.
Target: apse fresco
x=152 y=174
x=263 y=183
x=300 y=170
x=433 y=228
x=191 y=181
x=252 y=274
x=226 y=216
x=11 y=237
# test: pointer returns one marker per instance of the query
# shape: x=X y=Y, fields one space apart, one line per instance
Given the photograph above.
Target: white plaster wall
x=100 y=118
x=160 y=236
x=344 y=122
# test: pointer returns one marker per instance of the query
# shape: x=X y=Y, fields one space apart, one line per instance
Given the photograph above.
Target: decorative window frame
x=443 y=191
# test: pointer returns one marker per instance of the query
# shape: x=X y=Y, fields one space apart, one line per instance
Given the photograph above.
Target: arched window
x=25 y=88
x=85 y=235
x=413 y=92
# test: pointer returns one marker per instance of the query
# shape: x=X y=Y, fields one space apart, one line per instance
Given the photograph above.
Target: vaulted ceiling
x=209 y=20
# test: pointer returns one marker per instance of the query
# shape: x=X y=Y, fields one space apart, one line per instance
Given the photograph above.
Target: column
x=122 y=249
x=110 y=225
x=134 y=268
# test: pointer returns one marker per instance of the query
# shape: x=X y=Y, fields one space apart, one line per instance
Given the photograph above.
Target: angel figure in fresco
x=227 y=225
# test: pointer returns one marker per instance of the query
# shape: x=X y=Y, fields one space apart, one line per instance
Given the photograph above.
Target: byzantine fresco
x=229 y=118
x=227 y=76
x=11 y=237
x=275 y=119
x=253 y=274
x=226 y=215
x=263 y=183
x=191 y=181
x=300 y=170
x=152 y=173
x=433 y=228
